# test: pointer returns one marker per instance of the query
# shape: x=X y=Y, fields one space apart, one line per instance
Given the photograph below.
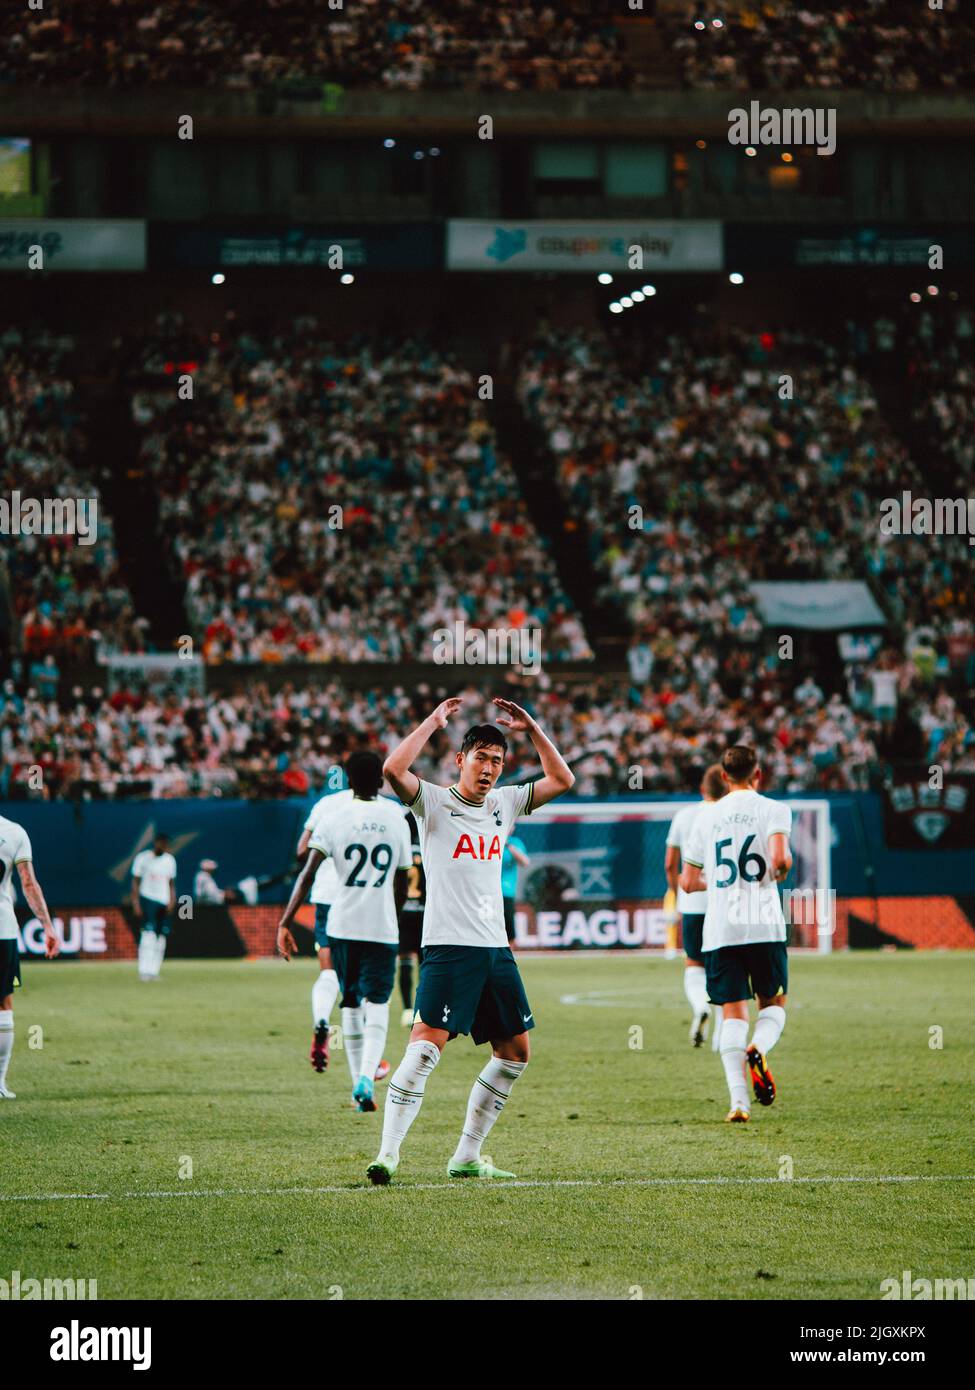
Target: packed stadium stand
x=733 y=483
x=532 y=45
x=299 y=432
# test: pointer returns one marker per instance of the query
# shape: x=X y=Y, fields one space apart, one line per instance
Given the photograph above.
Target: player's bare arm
x=780 y=856
x=397 y=766
x=38 y=905
x=692 y=878
x=557 y=777
x=136 y=906
x=520 y=858
x=286 y=945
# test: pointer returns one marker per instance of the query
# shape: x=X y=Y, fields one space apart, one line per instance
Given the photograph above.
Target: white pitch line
x=493 y=1184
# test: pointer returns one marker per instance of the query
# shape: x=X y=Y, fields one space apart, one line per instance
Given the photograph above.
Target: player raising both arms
x=469 y=982
x=740 y=846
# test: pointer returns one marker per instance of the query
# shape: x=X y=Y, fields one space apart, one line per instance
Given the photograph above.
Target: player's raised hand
x=514 y=718
x=286 y=946
x=445 y=709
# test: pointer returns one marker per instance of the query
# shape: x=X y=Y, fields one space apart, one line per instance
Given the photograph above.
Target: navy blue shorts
x=692 y=934
x=734 y=973
x=321 y=925
x=9 y=966
x=366 y=970
x=155 y=916
x=473 y=989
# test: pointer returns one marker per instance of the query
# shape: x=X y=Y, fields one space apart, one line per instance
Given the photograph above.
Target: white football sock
x=324 y=993
x=716 y=1030
x=405 y=1095
x=375 y=1025
x=352 y=1041
x=487 y=1099
x=696 y=990
x=158 y=953
x=6 y=1041
x=769 y=1027
x=734 y=1035
x=146 y=951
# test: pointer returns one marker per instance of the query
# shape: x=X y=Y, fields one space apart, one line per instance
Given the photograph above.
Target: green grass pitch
x=614 y=1118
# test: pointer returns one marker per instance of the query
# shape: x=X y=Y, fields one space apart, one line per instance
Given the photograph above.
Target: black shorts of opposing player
x=365 y=970
x=475 y=990
x=692 y=934
x=508 y=905
x=155 y=916
x=736 y=973
x=9 y=966
x=410 y=933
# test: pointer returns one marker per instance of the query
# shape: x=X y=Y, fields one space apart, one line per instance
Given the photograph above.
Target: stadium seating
x=67 y=598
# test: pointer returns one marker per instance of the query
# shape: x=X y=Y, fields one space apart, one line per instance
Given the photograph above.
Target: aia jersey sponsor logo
x=467 y=847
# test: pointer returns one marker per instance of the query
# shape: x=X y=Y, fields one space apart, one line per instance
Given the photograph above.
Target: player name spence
x=77 y=1343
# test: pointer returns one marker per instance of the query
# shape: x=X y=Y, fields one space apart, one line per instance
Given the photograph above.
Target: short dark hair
x=160 y=835
x=739 y=762
x=365 y=773
x=484 y=736
x=712 y=783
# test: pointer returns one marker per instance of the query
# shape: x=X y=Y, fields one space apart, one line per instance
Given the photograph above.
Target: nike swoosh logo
x=526 y=1018
x=456 y=813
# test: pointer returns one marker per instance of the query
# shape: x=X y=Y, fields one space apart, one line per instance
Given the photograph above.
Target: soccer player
x=325 y=990
x=411 y=923
x=15 y=849
x=369 y=842
x=740 y=846
x=153 y=900
x=692 y=906
x=515 y=857
x=469 y=982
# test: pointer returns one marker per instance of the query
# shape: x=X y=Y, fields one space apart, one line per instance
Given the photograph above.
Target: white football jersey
x=729 y=842
x=367 y=841
x=14 y=849
x=462 y=844
x=678 y=837
x=155 y=873
x=326 y=880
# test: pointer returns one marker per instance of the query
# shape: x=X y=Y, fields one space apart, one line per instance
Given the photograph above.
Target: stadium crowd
x=697 y=477
x=695 y=472
x=883 y=45
x=63 y=597
x=337 y=502
x=620 y=736
x=239 y=44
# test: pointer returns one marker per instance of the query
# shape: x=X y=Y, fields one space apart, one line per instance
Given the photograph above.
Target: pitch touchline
x=447 y=1186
